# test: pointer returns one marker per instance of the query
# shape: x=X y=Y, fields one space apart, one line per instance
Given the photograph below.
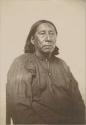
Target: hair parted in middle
x=29 y=47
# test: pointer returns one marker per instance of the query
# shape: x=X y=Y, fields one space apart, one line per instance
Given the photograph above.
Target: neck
x=43 y=55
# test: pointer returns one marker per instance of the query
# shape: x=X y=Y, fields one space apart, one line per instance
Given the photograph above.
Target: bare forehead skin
x=45 y=26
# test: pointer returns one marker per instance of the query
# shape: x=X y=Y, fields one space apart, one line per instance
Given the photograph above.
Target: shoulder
x=22 y=60
x=63 y=66
x=62 y=63
x=17 y=68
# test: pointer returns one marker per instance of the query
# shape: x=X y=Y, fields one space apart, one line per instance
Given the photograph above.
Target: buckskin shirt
x=41 y=90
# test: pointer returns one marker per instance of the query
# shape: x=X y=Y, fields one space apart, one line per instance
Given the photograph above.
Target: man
x=40 y=87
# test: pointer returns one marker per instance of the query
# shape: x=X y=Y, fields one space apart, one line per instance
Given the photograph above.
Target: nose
x=48 y=37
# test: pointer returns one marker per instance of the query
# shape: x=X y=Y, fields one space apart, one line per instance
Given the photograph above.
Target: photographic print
x=42 y=62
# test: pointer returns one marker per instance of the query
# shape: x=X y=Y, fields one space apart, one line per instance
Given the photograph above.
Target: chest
x=49 y=74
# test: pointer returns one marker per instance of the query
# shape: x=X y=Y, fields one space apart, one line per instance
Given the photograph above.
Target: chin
x=46 y=52
x=47 y=49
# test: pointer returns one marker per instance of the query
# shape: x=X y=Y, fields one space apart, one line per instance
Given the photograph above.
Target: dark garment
x=43 y=91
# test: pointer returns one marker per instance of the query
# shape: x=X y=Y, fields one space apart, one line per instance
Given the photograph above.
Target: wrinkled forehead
x=45 y=26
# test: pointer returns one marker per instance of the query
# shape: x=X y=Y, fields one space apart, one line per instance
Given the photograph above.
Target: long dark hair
x=29 y=47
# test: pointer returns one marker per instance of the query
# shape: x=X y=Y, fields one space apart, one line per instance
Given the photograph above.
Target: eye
x=51 y=33
x=42 y=33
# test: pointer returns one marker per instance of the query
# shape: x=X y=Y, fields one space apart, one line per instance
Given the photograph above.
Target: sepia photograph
x=42 y=62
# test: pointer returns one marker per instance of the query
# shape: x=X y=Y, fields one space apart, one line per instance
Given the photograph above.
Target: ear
x=32 y=40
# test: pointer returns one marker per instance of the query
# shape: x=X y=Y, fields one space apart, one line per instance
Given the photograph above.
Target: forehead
x=45 y=26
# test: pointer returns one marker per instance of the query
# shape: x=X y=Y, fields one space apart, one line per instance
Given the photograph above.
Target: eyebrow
x=42 y=31
x=45 y=31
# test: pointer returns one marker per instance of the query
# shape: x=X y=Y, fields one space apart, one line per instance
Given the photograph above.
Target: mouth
x=47 y=46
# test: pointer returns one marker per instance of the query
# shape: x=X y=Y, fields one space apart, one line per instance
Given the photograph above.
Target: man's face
x=45 y=38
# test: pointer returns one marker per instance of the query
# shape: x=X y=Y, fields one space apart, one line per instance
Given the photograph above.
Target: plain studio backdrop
x=16 y=18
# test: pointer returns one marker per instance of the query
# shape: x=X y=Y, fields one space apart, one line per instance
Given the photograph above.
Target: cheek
x=54 y=40
x=39 y=41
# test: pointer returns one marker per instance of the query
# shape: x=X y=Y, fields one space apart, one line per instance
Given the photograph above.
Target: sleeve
x=78 y=106
x=18 y=88
x=78 y=103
